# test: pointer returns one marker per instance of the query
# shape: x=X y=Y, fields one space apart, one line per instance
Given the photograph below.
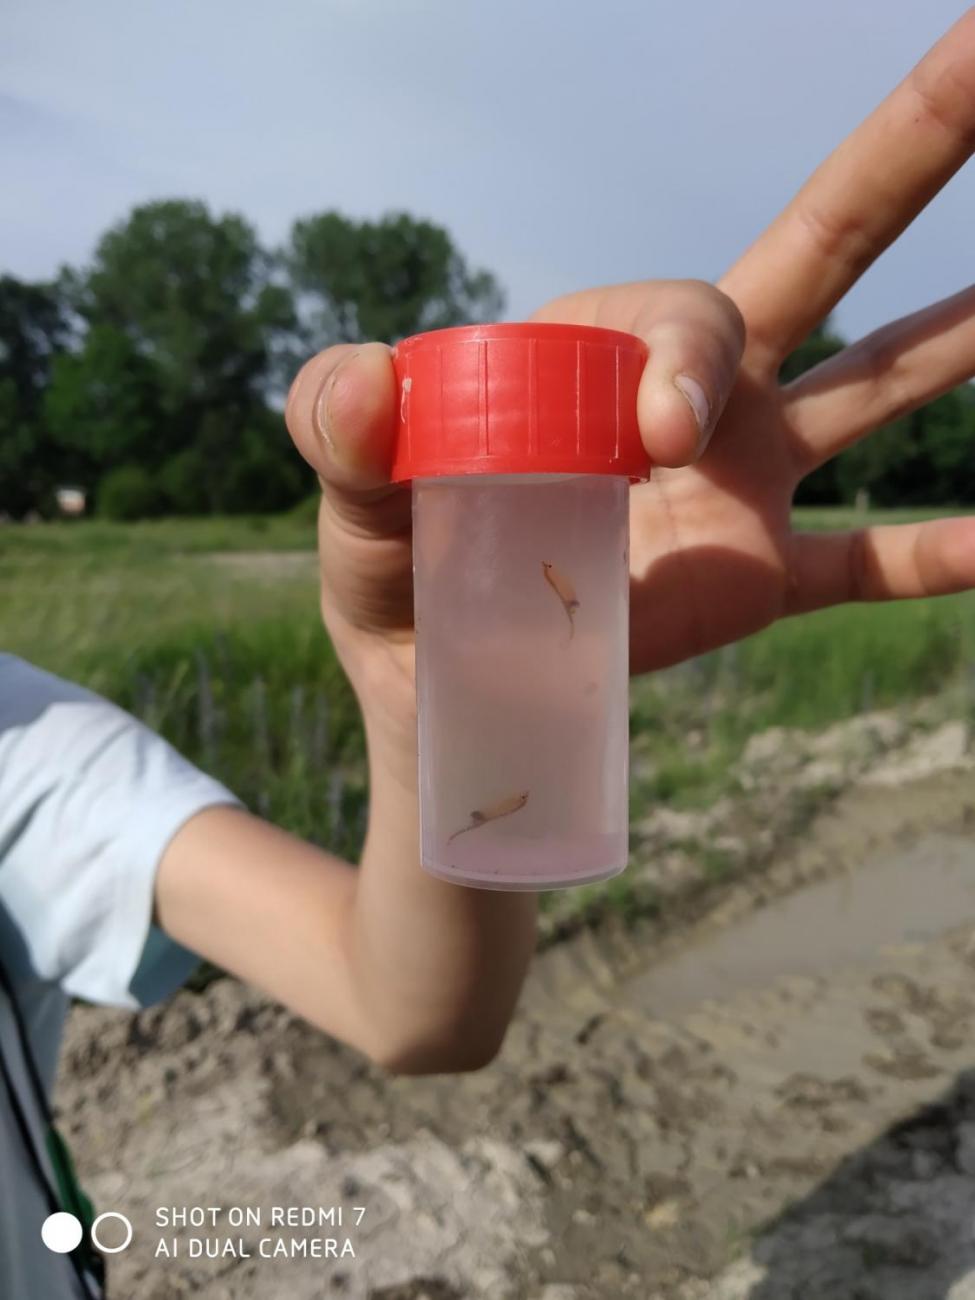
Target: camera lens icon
x=62 y=1232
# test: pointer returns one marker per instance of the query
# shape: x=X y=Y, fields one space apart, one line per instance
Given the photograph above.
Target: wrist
x=391 y=745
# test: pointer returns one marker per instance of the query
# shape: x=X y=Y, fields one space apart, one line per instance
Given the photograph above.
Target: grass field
x=821 y=518
x=208 y=629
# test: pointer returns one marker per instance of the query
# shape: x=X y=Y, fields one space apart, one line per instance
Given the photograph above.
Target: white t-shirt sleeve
x=89 y=800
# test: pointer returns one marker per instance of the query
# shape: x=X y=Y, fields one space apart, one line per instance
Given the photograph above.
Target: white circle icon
x=61 y=1232
x=111 y=1250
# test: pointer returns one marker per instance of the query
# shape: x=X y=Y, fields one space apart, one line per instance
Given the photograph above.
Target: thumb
x=695 y=336
x=340 y=413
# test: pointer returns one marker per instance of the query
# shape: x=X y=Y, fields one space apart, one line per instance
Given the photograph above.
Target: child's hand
x=341 y=412
x=713 y=553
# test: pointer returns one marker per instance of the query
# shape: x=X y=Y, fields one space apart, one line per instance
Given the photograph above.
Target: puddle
x=906 y=896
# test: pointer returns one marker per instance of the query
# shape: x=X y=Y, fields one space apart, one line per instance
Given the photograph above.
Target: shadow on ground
x=894 y=1222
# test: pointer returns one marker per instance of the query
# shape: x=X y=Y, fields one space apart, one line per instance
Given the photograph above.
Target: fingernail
x=323 y=413
x=697 y=400
x=322 y=417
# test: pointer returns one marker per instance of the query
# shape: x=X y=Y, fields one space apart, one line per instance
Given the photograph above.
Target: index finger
x=860 y=199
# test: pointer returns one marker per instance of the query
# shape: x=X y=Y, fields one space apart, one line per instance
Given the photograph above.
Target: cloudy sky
x=563 y=142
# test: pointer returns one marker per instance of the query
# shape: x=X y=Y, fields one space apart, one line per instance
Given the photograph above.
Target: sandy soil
x=769 y=1093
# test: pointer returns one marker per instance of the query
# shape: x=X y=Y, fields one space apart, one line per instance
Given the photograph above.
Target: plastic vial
x=521 y=442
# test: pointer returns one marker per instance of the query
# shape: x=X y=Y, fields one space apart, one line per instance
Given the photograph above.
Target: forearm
x=419 y=974
x=438 y=966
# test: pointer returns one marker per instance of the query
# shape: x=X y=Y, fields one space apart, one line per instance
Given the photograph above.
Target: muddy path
x=768 y=1094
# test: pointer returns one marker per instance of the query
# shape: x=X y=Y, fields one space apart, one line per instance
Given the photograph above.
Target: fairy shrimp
x=481 y=816
x=565 y=591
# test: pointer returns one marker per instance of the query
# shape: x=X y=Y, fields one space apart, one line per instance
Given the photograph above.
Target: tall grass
x=812 y=671
x=690 y=724
x=265 y=707
x=226 y=657
x=229 y=661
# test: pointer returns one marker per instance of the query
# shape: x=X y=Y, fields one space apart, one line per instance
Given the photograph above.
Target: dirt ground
x=767 y=1092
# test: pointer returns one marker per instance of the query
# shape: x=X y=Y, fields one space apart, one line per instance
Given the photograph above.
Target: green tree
x=128 y=492
x=183 y=314
x=925 y=458
x=33 y=330
x=262 y=474
x=821 y=344
x=183 y=482
x=102 y=405
x=949 y=427
x=359 y=280
x=822 y=486
x=194 y=295
x=265 y=474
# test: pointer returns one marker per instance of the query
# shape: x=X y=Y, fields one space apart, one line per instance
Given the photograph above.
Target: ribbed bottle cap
x=519 y=399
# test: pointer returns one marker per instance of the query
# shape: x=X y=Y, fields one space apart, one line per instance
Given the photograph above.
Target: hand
x=340 y=412
x=713 y=554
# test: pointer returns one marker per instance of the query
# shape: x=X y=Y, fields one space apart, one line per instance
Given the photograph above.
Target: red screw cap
x=519 y=399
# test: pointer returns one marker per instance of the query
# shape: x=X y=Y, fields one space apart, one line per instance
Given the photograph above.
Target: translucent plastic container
x=522 y=677
x=521 y=590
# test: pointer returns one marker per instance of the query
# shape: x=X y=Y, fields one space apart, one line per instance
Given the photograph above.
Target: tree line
x=926 y=458
x=153 y=377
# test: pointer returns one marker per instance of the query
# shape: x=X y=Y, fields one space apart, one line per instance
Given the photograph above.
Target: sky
x=564 y=143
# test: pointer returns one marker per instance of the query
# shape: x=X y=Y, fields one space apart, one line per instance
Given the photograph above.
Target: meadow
x=208 y=630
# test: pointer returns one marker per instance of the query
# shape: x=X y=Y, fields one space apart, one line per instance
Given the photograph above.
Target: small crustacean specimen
x=481 y=816
x=565 y=591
